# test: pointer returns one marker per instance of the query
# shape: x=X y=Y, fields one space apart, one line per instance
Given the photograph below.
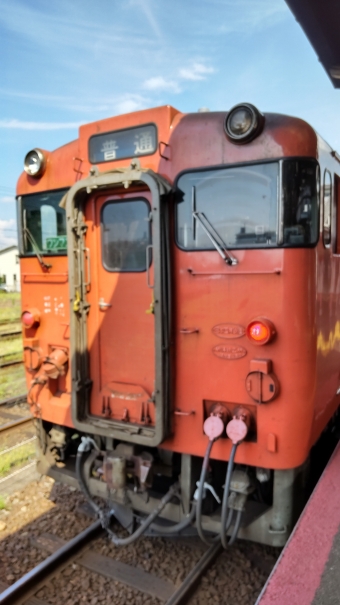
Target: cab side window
x=337 y=203
x=327 y=208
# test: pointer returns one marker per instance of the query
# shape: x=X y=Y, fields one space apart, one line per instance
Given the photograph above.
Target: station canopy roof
x=320 y=20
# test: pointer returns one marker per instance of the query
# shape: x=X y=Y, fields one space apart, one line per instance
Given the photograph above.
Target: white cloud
x=159 y=83
x=198 y=71
x=7 y=199
x=129 y=104
x=7 y=233
x=20 y=125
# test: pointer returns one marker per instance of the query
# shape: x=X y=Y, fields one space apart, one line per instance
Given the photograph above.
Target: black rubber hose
x=173 y=491
x=143 y=526
x=225 y=508
x=178 y=527
x=236 y=528
x=84 y=487
x=204 y=470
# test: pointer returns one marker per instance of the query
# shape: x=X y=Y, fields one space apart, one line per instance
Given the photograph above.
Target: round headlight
x=35 y=162
x=243 y=123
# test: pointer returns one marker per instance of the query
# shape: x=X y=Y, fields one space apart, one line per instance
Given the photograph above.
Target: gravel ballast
x=42 y=507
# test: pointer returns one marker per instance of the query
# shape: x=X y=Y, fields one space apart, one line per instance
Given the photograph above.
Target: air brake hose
x=85 y=446
x=236 y=528
x=236 y=430
x=173 y=491
x=213 y=428
x=204 y=470
x=225 y=518
x=177 y=527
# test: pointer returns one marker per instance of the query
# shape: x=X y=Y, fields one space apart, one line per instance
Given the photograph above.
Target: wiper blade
x=214 y=237
x=35 y=248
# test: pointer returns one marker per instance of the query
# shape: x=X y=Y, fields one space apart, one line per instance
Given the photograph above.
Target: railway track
x=6 y=322
x=79 y=551
x=13 y=400
x=9 y=421
x=13 y=334
x=7 y=364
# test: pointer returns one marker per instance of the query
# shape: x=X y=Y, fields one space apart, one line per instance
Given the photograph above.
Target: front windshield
x=43 y=223
x=240 y=202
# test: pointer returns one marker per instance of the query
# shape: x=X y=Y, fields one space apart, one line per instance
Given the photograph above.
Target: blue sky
x=65 y=63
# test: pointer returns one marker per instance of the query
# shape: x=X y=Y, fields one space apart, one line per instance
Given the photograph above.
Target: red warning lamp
x=261 y=331
x=30 y=317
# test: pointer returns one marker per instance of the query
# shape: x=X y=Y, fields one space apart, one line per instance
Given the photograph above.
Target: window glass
x=125 y=235
x=120 y=144
x=300 y=196
x=44 y=223
x=337 y=205
x=327 y=208
x=240 y=203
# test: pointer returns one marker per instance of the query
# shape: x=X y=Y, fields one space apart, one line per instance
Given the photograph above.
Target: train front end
x=171 y=355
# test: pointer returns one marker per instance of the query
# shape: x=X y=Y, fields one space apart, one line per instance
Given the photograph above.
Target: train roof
x=282 y=136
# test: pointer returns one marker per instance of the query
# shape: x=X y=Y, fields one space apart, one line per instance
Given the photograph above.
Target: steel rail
x=6 y=322
x=33 y=578
x=182 y=594
x=7 y=364
x=12 y=400
x=12 y=425
x=4 y=335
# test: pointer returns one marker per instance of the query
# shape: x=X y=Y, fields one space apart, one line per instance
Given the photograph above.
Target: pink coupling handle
x=213 y=427
x=237 y=430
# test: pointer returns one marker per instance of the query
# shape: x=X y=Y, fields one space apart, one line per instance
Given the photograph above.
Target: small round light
x=35 y=162
x=30 y=317
x=243 y=123
x=261 y=331
x=27 y=319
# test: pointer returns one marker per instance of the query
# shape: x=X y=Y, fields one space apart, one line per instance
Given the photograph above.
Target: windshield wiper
x=28 y=236
x=211 y=232
x=35 y=248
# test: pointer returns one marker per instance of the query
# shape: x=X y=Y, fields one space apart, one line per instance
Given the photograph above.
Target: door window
x=125 y=235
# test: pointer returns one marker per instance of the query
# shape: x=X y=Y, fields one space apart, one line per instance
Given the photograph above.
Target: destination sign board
x=121 y=144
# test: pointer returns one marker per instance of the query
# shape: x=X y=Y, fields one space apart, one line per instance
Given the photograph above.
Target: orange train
x=180 y=281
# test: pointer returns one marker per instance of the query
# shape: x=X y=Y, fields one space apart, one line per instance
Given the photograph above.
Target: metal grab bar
x=147 y=251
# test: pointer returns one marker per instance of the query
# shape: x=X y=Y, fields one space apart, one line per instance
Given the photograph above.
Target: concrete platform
x=308 y=570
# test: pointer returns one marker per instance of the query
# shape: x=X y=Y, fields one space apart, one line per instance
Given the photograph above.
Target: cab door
x=119 y=277
x=125 y=349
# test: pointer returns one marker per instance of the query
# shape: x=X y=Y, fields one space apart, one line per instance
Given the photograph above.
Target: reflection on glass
x=45 y=221
x=48 y=223
x=300 y=202
x=125 y=235
x=240 y=202
x=327 y=207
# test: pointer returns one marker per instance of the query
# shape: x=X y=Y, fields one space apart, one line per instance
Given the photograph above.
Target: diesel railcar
x=180 y=311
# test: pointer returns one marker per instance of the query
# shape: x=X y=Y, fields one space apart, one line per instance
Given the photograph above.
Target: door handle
x=189 y=330
x=148 y=250
x=103 y=304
